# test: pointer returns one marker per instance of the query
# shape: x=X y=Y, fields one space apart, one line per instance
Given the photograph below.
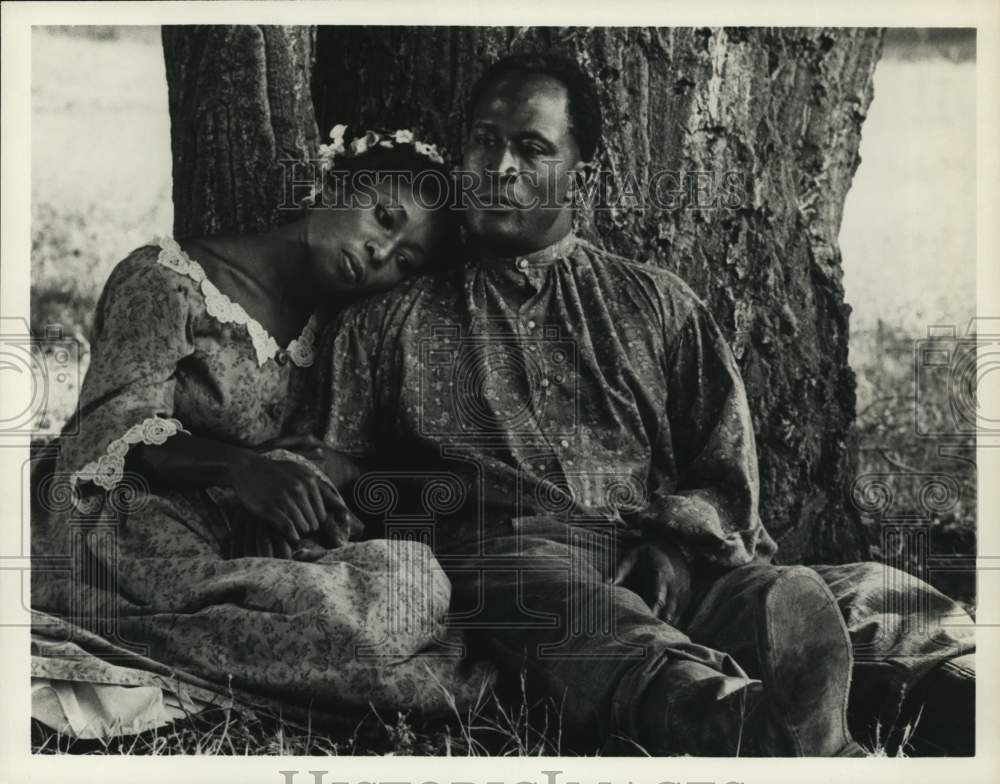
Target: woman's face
x=373 y=240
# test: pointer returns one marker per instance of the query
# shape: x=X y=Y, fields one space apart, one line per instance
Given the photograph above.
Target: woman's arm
x=191 y=461
x=287 y=496
x=342 y=469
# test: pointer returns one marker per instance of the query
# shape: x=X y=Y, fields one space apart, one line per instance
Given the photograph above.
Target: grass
x=882 y=747
x=493 y=726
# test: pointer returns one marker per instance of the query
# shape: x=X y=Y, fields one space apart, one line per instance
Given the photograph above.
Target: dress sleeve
x=704 y=482
x=141 y=331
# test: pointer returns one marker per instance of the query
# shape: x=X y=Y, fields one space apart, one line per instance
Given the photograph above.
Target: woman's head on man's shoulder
x=391 y=206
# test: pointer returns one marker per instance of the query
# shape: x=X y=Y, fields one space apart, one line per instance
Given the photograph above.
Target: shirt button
x=545 y=382
x=540 y=467
x=564 y=444
x=531 y=325
x=522 y=264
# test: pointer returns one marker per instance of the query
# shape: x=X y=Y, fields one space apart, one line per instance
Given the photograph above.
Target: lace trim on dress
x=108 y=469
x=301 y=350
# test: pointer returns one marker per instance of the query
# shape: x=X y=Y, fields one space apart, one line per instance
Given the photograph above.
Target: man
x=572 y=433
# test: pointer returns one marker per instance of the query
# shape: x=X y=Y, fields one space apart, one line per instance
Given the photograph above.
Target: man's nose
x=507 y=163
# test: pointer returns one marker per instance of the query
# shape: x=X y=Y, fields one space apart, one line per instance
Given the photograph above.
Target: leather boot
x=783 y=625
x=691 y=709
x=805 y=657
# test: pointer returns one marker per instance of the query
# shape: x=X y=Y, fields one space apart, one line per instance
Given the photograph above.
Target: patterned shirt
x=567 y=383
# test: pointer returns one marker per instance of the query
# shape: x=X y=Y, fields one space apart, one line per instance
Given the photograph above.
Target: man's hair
x=584 y=105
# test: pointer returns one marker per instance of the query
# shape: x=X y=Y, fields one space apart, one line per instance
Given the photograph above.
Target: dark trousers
x=540 y=601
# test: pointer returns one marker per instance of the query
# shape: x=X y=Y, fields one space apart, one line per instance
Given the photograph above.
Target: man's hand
x=254 y=538
x=340 y=525
x=660 y=574
x=341 y=469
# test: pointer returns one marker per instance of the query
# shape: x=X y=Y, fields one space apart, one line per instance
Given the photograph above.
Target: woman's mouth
x=354 y=270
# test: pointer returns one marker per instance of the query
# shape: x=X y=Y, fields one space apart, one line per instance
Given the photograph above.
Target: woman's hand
x=660 y=574
x=288 y=496
x=341 y=469
x=254 y=538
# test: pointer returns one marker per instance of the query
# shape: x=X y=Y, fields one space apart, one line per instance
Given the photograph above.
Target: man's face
x=521 y=154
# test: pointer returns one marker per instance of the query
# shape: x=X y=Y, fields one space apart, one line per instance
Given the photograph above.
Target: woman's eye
x=404 y=263
x=484 y=139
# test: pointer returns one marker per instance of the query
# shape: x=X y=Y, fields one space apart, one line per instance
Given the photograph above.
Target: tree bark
x=241 y=111
x=770 y=118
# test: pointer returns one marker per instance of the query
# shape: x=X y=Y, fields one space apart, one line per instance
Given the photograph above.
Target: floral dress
x=147 y=568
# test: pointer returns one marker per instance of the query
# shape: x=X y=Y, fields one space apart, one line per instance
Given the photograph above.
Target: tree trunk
x=757 y=132
x=240 y=111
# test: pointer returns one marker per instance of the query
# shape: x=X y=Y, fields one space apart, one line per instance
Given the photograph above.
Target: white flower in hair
x=429 y=150
x=360 y=145
x=326 y=154
x=337 y=134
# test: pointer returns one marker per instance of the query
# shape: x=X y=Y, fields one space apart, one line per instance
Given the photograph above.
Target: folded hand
x=660 y=574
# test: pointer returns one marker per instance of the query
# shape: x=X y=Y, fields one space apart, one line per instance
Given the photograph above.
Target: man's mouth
x=502 y=201
x=354 y=270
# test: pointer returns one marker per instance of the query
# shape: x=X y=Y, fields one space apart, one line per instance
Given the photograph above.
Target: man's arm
x=704 y=488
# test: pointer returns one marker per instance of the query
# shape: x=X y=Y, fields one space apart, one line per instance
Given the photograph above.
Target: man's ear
x=587 y=170
x=581 y=175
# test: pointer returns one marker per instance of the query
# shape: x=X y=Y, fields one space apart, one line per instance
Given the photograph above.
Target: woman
x=180 y=457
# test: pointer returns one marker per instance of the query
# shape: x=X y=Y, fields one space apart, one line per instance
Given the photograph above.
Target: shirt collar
x=543 y=257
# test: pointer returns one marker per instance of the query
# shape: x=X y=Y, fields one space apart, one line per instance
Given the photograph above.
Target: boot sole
x=799 y=651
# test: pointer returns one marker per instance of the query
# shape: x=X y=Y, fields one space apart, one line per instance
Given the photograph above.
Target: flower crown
x=361 y=144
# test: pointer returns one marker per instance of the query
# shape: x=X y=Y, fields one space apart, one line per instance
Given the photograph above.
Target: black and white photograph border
x=802 y=200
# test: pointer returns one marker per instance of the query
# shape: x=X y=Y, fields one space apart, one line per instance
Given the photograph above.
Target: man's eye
x=534 y=149
x=383 y=216
x=404 y=263
x=484 y=139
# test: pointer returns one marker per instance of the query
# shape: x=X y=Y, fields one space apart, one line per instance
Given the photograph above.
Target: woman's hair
x=430 y=182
